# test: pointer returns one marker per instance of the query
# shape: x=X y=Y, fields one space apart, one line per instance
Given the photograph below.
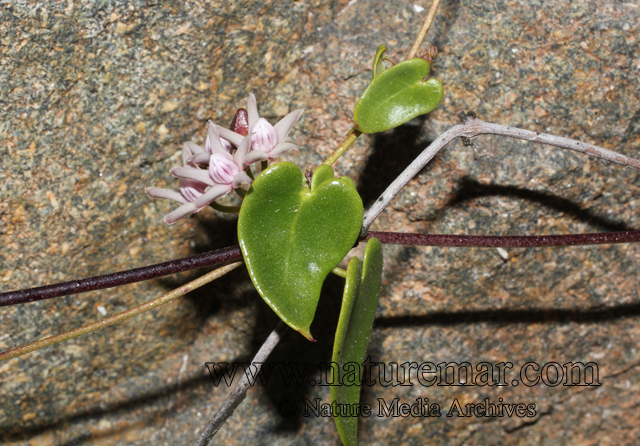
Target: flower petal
x=233 y=137
x=182 y=211
x=200 y=158
x=252 y=110
x=255 y=155
x=212 y=194
x=282 y=148
x=193 y=147
x=284 y=125
x=187 y=154
x=242 y=180
x=192 y=173
x=227 y=145
x=214 y=139
x=241 y=154
x=174 y=195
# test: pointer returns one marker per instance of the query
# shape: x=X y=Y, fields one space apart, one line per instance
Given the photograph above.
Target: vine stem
x=116 y=318
x=122 y=277
x=225 y=209
x=423 y=31
x=344 y=145
x=340 y=272
x=498 y=241
x=238 y=394
x=470 y=128
x=461 y=240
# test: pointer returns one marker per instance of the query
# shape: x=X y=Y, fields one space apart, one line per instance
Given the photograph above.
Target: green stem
x=85 y=329
x=263 y=165
x=248 y=170
x=226 y=209
x=240 y=192
x=344 y=145
x=339 y=272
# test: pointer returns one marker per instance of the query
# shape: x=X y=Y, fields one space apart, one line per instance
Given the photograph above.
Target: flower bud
x=240 y=123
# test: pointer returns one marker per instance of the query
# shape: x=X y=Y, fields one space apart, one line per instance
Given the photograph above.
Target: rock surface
x=96 y=99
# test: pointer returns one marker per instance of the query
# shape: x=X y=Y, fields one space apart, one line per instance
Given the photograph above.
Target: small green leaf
x=359 y=304
x=292 y=236
x=396 y=96
x=378 y=66
x=322 y=173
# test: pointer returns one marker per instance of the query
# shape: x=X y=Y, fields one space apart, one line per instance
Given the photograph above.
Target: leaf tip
x=307 y=334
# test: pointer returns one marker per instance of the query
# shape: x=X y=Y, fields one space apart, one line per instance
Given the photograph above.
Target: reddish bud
x=240 y=123
x=430 y=53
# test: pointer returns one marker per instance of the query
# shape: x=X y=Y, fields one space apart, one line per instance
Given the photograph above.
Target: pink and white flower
x=190 y=190
x=255 y=140
x=267 y=141
x=200 y=187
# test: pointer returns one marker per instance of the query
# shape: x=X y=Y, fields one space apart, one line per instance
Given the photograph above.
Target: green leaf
x=322 y=173
x=292 y=236
x=396 y=96
x=378 y=66
x=359 y=304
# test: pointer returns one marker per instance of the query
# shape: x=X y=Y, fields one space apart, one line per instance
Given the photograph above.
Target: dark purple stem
x=233 y=253
x=488 y=241
x=121 y=278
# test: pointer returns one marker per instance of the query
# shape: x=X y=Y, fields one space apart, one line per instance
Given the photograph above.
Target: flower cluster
x=223 y=164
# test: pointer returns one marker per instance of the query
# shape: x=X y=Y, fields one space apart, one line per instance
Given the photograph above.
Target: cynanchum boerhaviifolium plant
x=294 y=228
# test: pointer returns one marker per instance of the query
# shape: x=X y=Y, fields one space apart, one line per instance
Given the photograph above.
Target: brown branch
x=423 y=31
x=470 y=128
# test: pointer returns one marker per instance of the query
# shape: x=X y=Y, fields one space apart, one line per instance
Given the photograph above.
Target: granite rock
x=96 y=99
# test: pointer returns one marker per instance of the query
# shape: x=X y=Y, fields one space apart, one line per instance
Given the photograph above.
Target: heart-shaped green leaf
x=292 y=236
x=359 y=304
x=396 y=96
